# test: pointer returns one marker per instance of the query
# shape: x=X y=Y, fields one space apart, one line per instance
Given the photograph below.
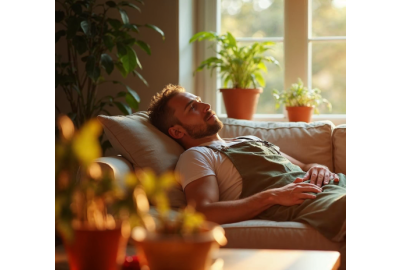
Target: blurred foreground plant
x=87 y=198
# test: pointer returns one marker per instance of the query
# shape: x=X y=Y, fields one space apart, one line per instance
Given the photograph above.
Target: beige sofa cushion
x=266 y=234
x=339 y=149
x=308 y=143
x=136 y=139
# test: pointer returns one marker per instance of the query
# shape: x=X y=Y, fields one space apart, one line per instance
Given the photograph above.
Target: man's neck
x=196 y=142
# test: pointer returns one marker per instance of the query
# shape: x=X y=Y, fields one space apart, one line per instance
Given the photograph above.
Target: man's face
x=195 y=117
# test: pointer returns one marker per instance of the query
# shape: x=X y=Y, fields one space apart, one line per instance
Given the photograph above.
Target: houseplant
x=95 y=217
x=97 y=43
x=180 y=240
x=300 y=102
x=93 y=233
x=241 y=68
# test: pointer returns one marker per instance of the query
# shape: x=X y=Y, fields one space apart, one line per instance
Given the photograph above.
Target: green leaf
x=145 y=47
x=92 y=70
x=125 y=3
x=121 y=94
x=203 y=35
x=262 y=66
x=86 y=27
x=260 y=79
x=116 y=24
x=155 y=28
x=129 y=41
x=133 y=93
x=141 y=78
x=123 y=107
x=124 y=16
x=131 y=101
x=107 y=63
x=121 y=69
x=108 y=42
x=111 y=4
x=129 y=61
x=122 y=50
x=59 y=34
x=59 y=16
x=73 y=25
x=231 y=40
x=132 y=27
x=79 y=43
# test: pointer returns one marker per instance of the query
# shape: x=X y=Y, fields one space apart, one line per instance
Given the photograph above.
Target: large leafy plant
x=241 y=66
x=98 y=43
x=299 y=95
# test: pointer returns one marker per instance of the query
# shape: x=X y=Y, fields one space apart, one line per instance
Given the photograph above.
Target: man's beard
x=200 y=131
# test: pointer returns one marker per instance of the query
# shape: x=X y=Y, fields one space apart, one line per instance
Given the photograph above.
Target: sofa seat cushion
x=266 y=234
x=306 y=142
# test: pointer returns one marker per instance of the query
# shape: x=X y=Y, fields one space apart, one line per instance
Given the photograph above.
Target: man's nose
x=207 y=107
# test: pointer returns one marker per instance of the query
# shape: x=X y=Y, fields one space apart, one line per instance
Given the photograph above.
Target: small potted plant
x=94 y=232
x=180 y=240
x=241 y=68
x=300 y=102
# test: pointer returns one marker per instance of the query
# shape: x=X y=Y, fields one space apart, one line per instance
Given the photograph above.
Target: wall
x=159 y=69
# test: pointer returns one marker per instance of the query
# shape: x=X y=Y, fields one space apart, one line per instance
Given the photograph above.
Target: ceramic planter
x=300 y=114
x=162 y=252
x=241 y=103
x=93 y=249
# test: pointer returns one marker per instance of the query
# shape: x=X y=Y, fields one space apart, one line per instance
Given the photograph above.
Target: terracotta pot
x=164 y=252
x=241 y=103
x=96 y=249
x=300 y=114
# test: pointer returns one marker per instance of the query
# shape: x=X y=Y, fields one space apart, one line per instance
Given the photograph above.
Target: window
x=310 y=37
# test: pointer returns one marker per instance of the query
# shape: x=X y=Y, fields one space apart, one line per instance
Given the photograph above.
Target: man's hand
x=318 y=175
x=294 y=193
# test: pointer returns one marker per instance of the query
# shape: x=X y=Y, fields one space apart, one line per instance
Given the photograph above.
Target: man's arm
x=317 y=174
x=204 y=194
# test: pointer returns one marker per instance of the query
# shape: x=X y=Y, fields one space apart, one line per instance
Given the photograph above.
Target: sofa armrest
x=339 y=148
x=118 y=166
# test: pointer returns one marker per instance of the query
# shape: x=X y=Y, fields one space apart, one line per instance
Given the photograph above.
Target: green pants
x=262 y=167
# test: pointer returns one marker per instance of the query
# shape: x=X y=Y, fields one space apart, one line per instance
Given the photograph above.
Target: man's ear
x=176 y=132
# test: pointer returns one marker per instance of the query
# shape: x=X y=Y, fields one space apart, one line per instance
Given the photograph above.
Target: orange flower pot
x=164 y=252
x=96 y=249
x=300 y=114
x=241 y=103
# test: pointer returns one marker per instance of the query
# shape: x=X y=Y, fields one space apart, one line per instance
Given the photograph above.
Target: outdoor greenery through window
x=263 y=20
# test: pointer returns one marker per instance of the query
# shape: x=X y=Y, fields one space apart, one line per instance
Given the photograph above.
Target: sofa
x=318 y=142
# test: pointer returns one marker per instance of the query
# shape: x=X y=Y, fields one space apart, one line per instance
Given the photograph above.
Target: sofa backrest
x=306 y=142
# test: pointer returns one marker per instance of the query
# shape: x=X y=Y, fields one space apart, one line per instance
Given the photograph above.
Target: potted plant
x=97 y=43
x=95 y=217
x=180 y=240
x=300 y=102
x=94 y=233
x=241 y=68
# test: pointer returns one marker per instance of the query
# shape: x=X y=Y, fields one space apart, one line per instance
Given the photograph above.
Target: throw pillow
x=137 y=140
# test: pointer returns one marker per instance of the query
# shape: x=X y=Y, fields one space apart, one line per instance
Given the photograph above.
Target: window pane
x=252 y=18
x=328 y=18
x=273 y=79
x=329 y=74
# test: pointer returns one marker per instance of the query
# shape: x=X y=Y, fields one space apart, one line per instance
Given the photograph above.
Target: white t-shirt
x=200 y=161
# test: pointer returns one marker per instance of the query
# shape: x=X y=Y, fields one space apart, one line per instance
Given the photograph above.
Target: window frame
x=298 y=61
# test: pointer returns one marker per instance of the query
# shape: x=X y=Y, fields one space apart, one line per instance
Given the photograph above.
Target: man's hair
x=160 y=114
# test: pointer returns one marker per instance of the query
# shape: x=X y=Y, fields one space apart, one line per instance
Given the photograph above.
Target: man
x=231 y=180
